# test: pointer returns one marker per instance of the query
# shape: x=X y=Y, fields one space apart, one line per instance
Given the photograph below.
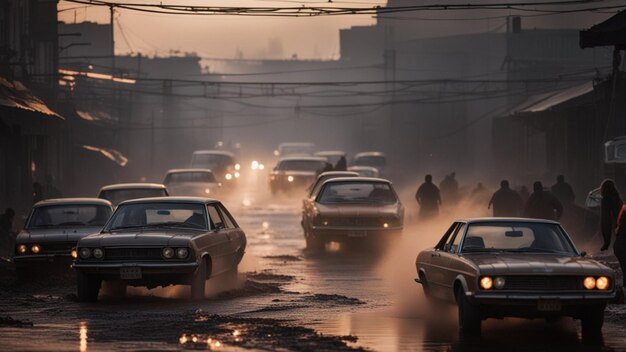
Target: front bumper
x=147 y=269
x=41 y=258
x=338 y=233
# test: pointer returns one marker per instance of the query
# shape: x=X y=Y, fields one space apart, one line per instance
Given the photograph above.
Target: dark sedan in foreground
x=500 y=267
x=159 y=242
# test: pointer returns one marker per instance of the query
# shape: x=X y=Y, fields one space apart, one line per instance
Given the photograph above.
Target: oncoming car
x=296 y=173
x=294 y=149
x=377 y=160
x=125 y=191
x=527 y=268
x=191 y=182
x=53 y=228
x=352 y=209
x=159 y=242
x=223 y=164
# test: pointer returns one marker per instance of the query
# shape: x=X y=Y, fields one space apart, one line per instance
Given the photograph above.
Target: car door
x=450 y=261
x=236 y=236
x=436 y=271
x=221 y=251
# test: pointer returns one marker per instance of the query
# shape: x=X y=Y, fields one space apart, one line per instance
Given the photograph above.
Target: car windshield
x=320 y=181
x=357 y=192
x=194 y=177
x=371 y=160
x=212 y=161
x=516 y=237
x=176 y=215
x=302 y=165
x=75 y=215
x=116 y=196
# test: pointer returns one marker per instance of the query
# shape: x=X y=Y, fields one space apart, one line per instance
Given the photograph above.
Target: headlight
x=486 y=283
x=261 y=166
x=589 y=283
x=228 y=177
x=602 y=283
x=237 y=167
x=182 y=253
x=74 y=253
x=254 y=165
x=168 y=253
x=385 y=225
x=290 y=178
x=98 y=253
x=84 y=253
x=35 y=248
x=237 y=174
x=207 y=190
x=272 y=177
x=499 y=282
x=21 y=249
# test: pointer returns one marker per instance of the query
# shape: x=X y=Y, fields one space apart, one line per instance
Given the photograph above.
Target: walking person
x=342 y=164
x=542 y=204
x=505 y=201
x=449 y=188
x=429 y=199
x=563 y=191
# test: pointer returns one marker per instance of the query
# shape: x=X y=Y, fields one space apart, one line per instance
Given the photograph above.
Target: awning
x=111 y=154
x=16 y=95
x=547 y=101
x=611 y=32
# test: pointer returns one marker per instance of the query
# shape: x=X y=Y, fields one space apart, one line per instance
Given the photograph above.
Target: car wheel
x=199 y=281
x=593 y=320
x=425 y=286
x=469 y=314
x=87 y=287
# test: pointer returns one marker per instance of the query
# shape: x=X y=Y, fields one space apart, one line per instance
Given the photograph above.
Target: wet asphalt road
x=284 y=298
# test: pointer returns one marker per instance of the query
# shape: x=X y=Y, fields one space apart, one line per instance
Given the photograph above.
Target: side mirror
x=583 y=254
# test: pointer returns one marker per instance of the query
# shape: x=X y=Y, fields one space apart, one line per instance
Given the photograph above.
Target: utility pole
x=111 y=18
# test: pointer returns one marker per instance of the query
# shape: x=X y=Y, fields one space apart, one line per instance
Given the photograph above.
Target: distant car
x=120 y=192
x=365 y=171
x=352 y=209
x=377 y=160
x=294 y=149
x=223 y=164
x=191 y=182
x=332 y=156
x=160 y=242
x=293 y=173
x=528 y=268
x=53 y=228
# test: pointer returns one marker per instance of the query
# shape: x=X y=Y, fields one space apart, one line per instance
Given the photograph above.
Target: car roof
x=69 y=201
x=362 y=167
x=199 y=200
x=330 y=152
x=307 y=158
x=357 y=179
x=332 y=173
x=296 y=144
x=358 y=155
x=180 y=171
x=508 y=219
x=220 y=152
x=133 y=186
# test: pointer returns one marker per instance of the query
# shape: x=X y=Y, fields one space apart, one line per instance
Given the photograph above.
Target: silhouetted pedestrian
x=524 y=194
x=543 y=204
x=563 y=191
x=429 y=198
x=37 y=192
x=342 y=164
x=449 y=188
x=505 y=201
x=610 y=206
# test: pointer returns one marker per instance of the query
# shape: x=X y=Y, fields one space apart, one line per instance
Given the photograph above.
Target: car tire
x=469 y=315
x=425 y=287
x=87 y=287
x=198 y=282
x=592 y=321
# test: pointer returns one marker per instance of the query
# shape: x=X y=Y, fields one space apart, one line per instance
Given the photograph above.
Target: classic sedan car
x=191 y=182
x=333 y=156
x=120 y=192
x=53 y=228
x=296 y=173
x=317 y=185
x=352 y=209
x=223 y=164
x=159 y=242
x=377 y=160
x=365 y=171
x=527 y=268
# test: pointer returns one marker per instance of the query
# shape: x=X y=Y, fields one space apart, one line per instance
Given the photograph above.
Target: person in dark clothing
x=342 y=164
x=429 y=198
x=563 y=191
x=524 y=194
x=449 y=188
x=543 y=204
x=328 y=167
x=609 y=210
x=37 y=192
x=505 y=201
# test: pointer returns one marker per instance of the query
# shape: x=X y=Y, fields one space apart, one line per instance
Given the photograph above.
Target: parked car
x=223 y=164
x=53 y=228
x=192 y=182
x=527 y=268
x=160 y=242
x=352 y=209
x=365 y=171
x=294 y=149
x=120 y=192
x=332 y=156
x=377 y=160
x=296 y=173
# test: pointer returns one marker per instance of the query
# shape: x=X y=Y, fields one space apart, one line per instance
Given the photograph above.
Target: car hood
x=192 y=188
x=515 y=263
x=358 y=209
x=56 y=234
x=139 y=238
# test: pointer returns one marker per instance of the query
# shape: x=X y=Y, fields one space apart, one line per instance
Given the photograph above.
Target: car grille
x=359 y=221
x=57 y=247
x=132 y=254
x=543 y=283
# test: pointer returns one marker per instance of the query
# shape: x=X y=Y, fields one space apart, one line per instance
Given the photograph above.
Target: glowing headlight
x=602 y=283
x=237 y=175
x=21 y=249
x=272 y=177
x=182 y=253
x=207 y=190
x=35 y=248
x=589 y=283
x=276 y=153
x=168 y=253
x=325 y=223
x=74 y=253
x=261 y=166
x=290 y=178
x=385 y=225
x=254 y=165
x=237 y=166
x=499 y=282
x=84 y=253
x=98 y=253
x=486 y=283
x=228 y=177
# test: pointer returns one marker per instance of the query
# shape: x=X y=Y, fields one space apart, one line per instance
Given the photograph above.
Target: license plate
x=549 y=306
x=130 y=273
x=357 y=233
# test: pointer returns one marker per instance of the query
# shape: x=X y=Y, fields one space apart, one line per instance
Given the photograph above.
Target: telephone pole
x=111 y=15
